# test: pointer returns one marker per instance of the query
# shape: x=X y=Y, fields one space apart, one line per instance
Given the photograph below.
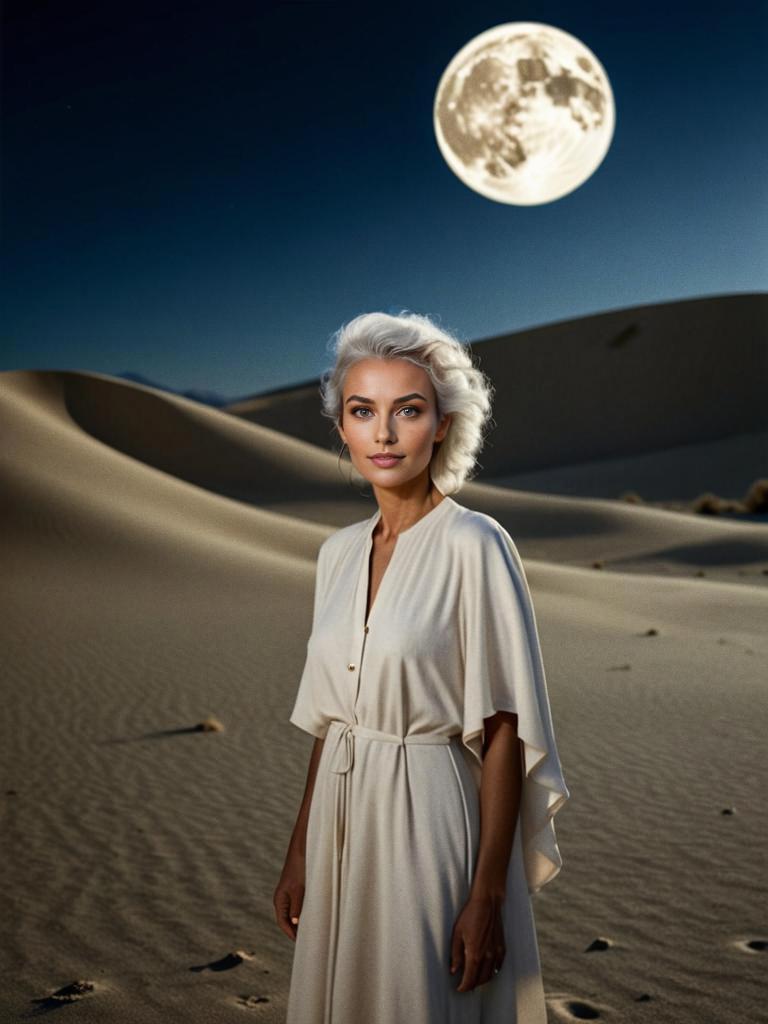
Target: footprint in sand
x=226 y=963
x=66 y=994
x=599 y=943
x=567 y=1008
x=754 y=945
x=248 y=1002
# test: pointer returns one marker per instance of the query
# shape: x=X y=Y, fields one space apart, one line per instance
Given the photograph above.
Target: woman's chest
x=378 y=563
x=399 y=604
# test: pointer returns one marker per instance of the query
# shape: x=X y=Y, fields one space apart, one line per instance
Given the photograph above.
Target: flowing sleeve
x=306 y=713
x=503 y=671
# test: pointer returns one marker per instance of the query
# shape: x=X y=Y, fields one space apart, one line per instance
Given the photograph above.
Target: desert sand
x=158 y=568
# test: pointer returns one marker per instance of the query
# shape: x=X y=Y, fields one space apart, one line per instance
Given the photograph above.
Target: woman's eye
x=362 y=408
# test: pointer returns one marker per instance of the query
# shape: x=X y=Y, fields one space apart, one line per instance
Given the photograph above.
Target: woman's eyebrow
x=404 y=398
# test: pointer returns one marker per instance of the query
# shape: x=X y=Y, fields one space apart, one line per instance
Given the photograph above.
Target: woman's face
x=389 y=405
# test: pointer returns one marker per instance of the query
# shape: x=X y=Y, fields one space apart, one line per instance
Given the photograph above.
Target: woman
x=425 y=691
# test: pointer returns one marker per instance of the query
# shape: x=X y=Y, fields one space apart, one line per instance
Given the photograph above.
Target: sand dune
x=159 y=566
x=672 y=476
x=609 y=385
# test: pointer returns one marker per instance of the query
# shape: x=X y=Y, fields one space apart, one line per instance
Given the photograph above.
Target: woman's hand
x=289 y=894
x=478 y=941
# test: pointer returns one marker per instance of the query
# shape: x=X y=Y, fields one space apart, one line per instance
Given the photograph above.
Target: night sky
x=202 y=193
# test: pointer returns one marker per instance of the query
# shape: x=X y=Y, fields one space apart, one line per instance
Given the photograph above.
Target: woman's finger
x=485 y=972
x=472 y=967
x=457 y=951
x=287 y=911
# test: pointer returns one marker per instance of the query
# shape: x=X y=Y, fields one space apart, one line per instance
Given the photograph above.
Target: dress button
x=365 y=629
x=351 y=667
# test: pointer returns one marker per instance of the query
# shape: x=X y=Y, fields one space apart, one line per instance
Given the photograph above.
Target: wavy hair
x=461 y=388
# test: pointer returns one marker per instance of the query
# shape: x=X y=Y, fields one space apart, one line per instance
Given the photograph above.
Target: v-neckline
x=366 y=566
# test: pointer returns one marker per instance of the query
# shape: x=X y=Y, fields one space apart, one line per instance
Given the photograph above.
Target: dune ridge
x=617 y=383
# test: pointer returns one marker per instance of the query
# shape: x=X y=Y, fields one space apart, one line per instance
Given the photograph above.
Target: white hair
x=461 y=388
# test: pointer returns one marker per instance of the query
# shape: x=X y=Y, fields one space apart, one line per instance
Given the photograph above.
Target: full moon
x=524 y=113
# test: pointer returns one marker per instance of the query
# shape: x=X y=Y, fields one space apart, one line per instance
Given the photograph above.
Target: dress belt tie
x=341 y=737
x=343 y=752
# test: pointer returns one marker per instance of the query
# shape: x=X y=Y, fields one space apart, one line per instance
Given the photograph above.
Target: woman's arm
x=289 y=894
x=298 y=844
x=478 y=943
x=500 y=794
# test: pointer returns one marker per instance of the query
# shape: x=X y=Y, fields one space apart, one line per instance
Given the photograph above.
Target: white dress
x=393 y=828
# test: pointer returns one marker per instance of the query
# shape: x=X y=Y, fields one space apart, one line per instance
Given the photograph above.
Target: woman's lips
x=386 y=460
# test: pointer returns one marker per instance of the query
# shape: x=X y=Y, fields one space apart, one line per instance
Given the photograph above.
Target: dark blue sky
x=202 y=193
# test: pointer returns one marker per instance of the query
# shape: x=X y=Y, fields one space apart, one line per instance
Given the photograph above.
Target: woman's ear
x=340 y=432
x=445 y=424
